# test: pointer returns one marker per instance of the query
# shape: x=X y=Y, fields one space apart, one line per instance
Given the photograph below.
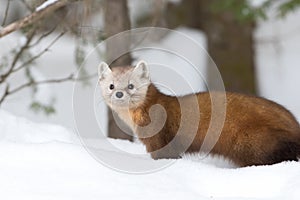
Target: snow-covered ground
x=42 y=161
x=47 y=161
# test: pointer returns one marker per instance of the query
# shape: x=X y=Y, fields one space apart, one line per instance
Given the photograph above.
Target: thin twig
x=4 y=94
x=31 y=83
x=17 y=57
x=39 y=54
x=6 y=12
x=42 y=37
x=71 y=77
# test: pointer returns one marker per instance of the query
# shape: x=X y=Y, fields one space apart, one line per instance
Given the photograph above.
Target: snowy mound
x=41 y=161
x=20 y=130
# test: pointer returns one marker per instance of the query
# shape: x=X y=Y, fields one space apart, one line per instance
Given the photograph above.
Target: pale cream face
x=124 y=87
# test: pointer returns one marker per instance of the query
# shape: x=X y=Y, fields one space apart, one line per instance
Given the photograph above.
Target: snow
x=45 y=5
x=44 y=161
x=277 y=60
x=277 y=75
x=20 y=130
x=178 y=61
x=256 y=3
x=47 y=161
x=56 y=63
x=175 y=1
x=59 y=62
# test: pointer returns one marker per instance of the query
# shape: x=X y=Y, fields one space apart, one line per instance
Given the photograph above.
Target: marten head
x=124 y=87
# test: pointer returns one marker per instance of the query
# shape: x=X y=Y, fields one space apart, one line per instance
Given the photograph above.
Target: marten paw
x=164 y=155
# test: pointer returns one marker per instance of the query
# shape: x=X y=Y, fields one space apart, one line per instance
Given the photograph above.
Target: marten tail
x=298 y=148
x=287 y=149
x=297 y=141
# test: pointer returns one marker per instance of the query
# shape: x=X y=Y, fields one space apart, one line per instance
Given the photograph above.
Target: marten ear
x=103 y=70
x=141 y=69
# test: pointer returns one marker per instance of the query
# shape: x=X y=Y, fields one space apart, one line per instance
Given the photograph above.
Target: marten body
x=256 y=131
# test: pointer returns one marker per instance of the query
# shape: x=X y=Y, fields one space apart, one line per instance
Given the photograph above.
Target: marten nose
x=119 y=94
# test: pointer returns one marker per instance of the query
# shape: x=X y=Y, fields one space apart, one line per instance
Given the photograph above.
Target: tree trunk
x=230 y=42
x=116 y=21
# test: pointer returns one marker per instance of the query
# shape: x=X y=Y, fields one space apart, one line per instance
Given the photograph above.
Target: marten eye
x=130 y=86
x=111 y=86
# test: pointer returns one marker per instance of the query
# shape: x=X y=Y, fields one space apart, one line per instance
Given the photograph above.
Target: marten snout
x=119 y=94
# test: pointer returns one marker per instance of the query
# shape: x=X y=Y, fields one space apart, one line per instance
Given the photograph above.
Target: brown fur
x=256 y=131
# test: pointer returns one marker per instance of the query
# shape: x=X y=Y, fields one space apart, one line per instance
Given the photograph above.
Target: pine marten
x=256 y=131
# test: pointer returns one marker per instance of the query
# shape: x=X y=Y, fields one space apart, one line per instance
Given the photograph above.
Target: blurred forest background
x=44 y=42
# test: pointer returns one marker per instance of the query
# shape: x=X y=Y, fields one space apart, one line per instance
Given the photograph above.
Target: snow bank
x=20 y=130
x=42 y=161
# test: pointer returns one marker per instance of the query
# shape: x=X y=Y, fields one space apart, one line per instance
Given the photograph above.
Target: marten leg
x=164 y=154
x=158 y=147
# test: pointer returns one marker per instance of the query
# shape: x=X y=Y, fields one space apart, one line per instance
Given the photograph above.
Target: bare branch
x=23 y=48
x=17 y=57
x=6 y=12
x=34 y=17
x=71 y=77
x=42 y=37
x=4 y=94
x=39 y=54
x=31 y=83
